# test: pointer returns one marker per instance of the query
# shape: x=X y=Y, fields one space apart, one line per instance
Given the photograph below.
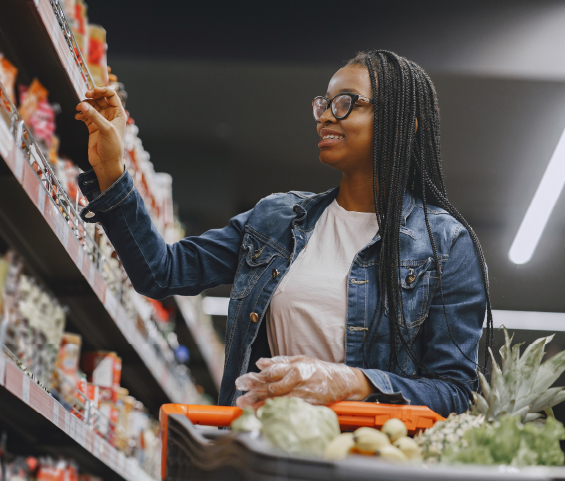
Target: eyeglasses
x=341 y=104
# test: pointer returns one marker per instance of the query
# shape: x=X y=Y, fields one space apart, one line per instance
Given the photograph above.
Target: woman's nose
x=328 y=117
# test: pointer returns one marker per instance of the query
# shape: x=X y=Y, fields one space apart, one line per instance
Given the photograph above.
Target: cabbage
x=247 y=421
x=509 y=441
x=297 y=427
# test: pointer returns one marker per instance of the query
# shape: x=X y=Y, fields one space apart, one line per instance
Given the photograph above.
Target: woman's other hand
x=315 y=381
x=104 y=115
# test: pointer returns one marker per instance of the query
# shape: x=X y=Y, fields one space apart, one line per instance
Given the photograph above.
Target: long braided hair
x=403 y=159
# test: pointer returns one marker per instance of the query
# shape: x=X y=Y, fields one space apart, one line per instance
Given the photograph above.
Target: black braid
x=404 y=159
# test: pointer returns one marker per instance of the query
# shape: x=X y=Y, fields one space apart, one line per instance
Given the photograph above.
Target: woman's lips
x=329 y=142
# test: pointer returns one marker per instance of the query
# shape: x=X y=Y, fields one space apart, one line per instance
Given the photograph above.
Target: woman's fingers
x=285 y=385
x=90 y=113
x=265 y=362
x=249 y=399
x=107 y=93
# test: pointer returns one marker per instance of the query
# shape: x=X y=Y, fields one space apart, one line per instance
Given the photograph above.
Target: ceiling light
x=538 y=213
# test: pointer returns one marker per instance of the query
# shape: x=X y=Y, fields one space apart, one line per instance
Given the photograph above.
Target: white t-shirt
x=307 y=313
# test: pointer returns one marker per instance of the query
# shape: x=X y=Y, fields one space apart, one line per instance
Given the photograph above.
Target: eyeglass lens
x=340 y=106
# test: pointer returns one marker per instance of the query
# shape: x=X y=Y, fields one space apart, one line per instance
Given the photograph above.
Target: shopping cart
x=191 y=452
x=194 y=451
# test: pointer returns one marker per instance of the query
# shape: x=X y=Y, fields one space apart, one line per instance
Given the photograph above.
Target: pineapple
x=520 y=387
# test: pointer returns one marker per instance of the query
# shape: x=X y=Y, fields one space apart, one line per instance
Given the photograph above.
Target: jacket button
x=295 y=209
x=89 y=215
x=254 y=316
x=275 y=273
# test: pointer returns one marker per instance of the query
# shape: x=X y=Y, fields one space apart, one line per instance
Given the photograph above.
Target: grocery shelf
x=40 y=44
x=33 y=224
x=204 y=337
x=32 y=416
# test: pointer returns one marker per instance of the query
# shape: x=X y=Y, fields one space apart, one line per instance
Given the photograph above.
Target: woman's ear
x=416 y=125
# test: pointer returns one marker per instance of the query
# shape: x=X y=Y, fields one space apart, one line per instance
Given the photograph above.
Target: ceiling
x=221 y=93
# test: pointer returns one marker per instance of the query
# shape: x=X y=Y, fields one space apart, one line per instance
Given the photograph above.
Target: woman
x=365 y=292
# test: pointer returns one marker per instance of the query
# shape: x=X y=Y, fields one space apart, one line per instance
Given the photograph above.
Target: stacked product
x=33 y=320
x=87 y=384
x=45 y=468
x=39 y=114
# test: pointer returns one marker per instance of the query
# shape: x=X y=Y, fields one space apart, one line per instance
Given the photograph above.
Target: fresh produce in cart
x=510 y=406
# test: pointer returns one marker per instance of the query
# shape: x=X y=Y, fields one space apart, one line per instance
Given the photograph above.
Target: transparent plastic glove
x=315 y=381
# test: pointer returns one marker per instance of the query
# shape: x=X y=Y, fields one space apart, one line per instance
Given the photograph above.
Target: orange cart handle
x=349 y=414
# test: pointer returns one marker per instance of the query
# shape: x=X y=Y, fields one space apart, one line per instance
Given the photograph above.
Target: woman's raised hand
x=315 y=381
x=104 y=115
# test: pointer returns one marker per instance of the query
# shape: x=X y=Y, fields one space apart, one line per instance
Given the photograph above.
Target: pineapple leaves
x=521 y=385
x=549 y=371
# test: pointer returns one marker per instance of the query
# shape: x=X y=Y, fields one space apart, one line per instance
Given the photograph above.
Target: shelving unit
x=30 y=412
x=56 y=256
x=47 y=232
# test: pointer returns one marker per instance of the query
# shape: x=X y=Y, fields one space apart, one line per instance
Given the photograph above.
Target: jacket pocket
x=417 y=280
x=255 y=256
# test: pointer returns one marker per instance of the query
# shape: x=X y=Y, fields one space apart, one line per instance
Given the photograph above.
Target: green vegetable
x=247 y=421
x=509 y=441
x=297 y=427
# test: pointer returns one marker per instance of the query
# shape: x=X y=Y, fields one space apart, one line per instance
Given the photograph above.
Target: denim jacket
x=254 y=253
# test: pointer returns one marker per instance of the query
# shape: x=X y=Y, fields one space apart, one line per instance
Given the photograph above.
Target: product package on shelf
x=42 y=468
x=144 y=323
x=33 y=321
x=38 y=113
x=97 y=47
x=8 y=74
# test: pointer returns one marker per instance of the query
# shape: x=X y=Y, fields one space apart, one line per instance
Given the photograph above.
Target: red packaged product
x=30 y=98
x=103 y=369
x=91 y=391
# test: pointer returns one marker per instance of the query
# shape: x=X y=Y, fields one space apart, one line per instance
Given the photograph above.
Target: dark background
x=221 y=92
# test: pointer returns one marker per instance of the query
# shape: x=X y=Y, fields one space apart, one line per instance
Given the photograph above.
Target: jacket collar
x=309 y=210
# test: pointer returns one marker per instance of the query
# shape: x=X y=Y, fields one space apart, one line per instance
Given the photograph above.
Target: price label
x=62 y=230
x=96 y=446
x=91 y=274
x=55 y=413
x=81 y=433
x=73 y=432
x=56 y=26
x=41 y=198
x=25 y=388
x=110 y=303
x=19 y=167
x=2 y=368
x=67 y=422
x=5 y=139
x=80 y=258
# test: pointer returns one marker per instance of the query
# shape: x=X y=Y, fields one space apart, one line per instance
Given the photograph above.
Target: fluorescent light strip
x=215 y=306
x=538 y=213
x=527 y=320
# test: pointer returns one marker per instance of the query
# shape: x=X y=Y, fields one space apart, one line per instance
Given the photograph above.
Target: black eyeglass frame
x=354 y=98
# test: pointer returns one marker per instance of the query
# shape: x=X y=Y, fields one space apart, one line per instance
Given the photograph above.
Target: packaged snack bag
x=31 y=98
x=38 y=114
x=97 y=47
x=8 y=74
x=80 y=27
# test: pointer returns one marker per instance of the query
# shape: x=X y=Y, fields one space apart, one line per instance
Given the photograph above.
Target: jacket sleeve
x=465 y=305
x=155 y=268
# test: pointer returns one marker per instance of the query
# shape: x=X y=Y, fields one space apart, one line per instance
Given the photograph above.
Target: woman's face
x=353 y=150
